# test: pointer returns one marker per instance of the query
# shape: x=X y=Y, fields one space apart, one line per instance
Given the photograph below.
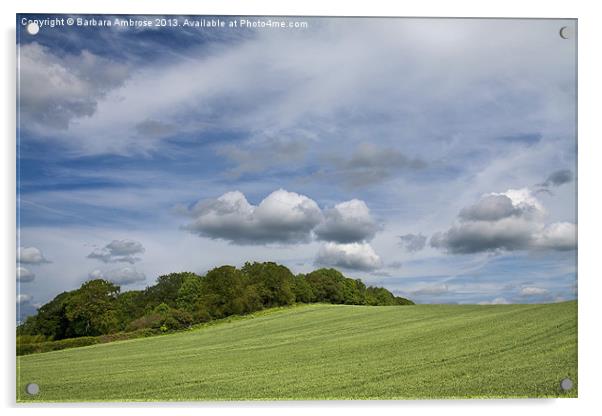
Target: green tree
x=166 y=289
x=303 y=290
x=224 y=292
x=129 y=306
x=273 y=282
x=327 y=285
x=91 y=309
x=189 y=294
x=51 y=319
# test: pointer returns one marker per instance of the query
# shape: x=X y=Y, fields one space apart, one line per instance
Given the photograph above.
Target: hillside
x=327 y=352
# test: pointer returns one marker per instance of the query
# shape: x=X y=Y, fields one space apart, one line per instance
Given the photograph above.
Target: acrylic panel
x=295 y=208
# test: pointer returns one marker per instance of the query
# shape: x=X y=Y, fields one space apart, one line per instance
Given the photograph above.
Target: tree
x=327 y=285
x=224 y=292
x=303 y=290
x=91 y=309
x=129 y=306
x=51 y=319
x=166 y=289
x=273 y=282
x=189 y=293
x=179 y=299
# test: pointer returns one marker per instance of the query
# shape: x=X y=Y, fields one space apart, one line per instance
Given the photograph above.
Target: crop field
x=318 y=352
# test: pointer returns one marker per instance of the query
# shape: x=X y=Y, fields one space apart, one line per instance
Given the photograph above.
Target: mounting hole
x=32 y=389
x=566 y=384
x=33 y=28
x=566 y=32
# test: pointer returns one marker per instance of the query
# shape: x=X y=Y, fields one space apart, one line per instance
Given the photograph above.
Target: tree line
x=179 y=300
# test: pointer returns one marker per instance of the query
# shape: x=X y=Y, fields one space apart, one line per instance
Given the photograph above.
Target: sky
x=433 y=157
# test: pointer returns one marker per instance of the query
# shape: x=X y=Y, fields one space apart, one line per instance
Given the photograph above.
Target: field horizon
x=323 y=352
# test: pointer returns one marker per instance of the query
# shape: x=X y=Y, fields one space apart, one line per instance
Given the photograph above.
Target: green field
x=327 y=352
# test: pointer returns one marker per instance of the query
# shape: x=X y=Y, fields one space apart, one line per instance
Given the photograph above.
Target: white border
x=589 y=191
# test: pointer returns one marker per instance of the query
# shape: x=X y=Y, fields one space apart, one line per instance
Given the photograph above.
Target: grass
x=327 y=352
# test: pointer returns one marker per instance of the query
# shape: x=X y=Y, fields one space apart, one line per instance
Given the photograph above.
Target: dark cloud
x=478 y=237
x=347 y=222
x=560 y=177
x=262 y=156
x=510 y=221
x=413 y=242
x=54 y=90
x=154 y=129
x=528 y=138
x=370 y=164
x=491 y=208
x=118 y=251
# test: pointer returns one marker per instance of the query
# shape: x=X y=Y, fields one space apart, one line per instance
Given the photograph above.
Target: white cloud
x=347 y=222
x=118 y=251
x=557 y=236
x=30 y=255
x=355 y=256
x=496 y=301
x=282 y=217
x=23 y=299
x=431 y=290
x=123 y=276
x=25 y=275
x=533 y=291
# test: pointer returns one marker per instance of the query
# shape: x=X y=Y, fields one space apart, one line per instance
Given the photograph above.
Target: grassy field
x=327 y=352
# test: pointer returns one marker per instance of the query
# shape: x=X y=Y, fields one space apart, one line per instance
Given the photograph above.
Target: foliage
x=179 y=300
x=273 y=283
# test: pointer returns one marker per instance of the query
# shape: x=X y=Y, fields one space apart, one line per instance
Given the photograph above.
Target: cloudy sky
x=433 y=157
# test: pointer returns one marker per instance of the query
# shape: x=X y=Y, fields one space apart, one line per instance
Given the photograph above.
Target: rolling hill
x=327 y=352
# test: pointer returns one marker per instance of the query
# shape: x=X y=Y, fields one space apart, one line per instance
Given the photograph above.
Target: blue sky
x=433 y=157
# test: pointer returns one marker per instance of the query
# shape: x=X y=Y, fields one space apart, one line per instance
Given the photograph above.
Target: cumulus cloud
x=25 y=275
x=23 y=299
x=412 y=242
x=513 y=220
x=282 y=217
x=496 y=301
x=30 y=255
x=355 y=256
x=491 y=208
x=54 y=90
x=118 y=251
x=347 y=222
x=561 y=236
x=533 y=291
x=123 y=276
